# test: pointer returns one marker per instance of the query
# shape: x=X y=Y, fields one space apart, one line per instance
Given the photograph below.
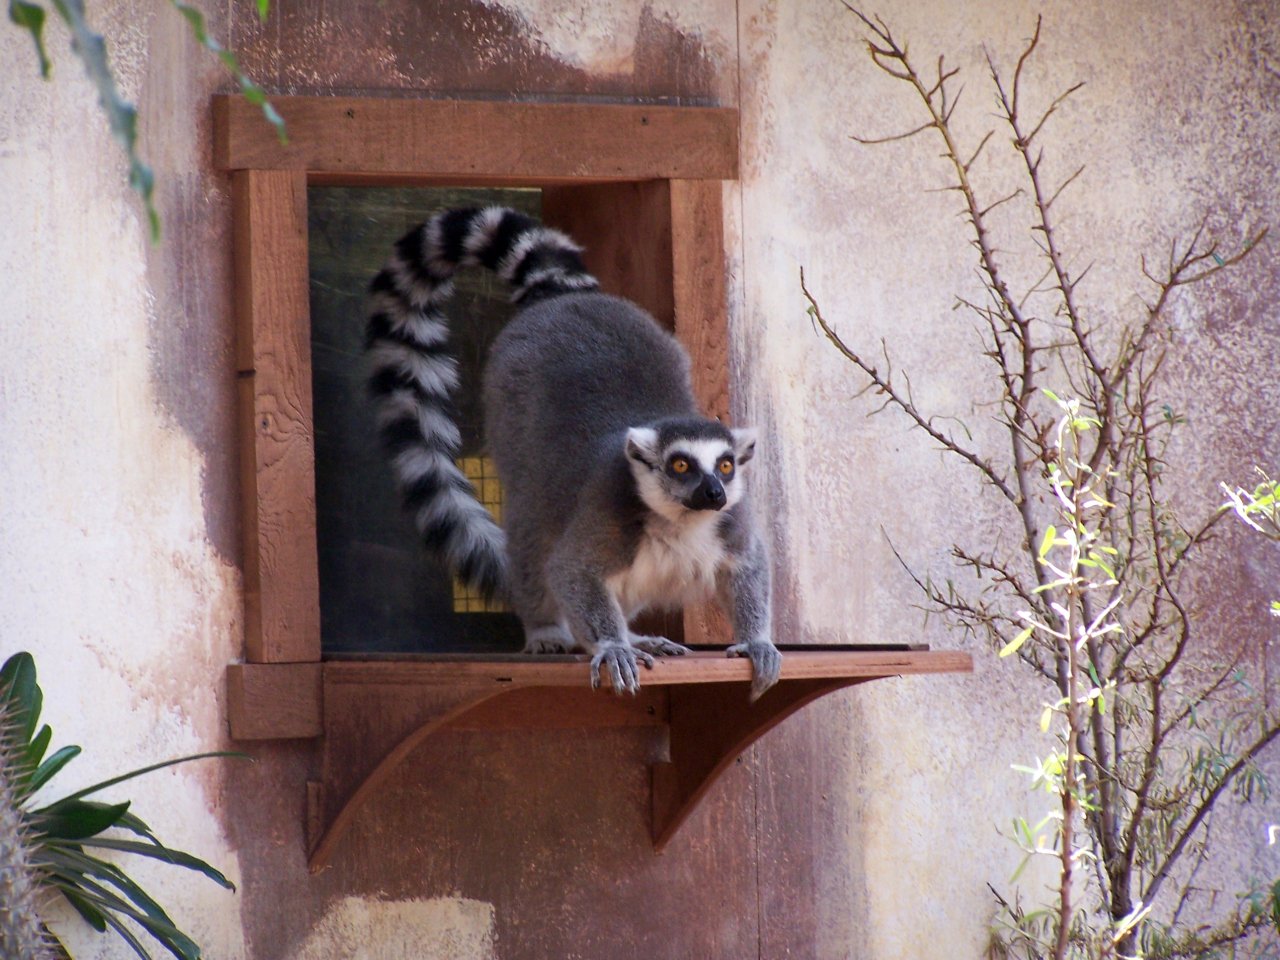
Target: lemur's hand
x=658 y=646
x=620 y=658
x=766 y=663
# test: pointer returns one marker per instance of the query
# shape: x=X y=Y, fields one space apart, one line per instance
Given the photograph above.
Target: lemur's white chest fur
x=676 y=564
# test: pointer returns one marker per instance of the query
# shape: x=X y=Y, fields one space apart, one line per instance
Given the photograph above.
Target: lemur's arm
x=745 y=590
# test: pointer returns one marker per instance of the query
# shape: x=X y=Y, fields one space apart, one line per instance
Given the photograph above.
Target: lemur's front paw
x=658 y=646
x=621 y=661
x=766 y=663
x=552 y=639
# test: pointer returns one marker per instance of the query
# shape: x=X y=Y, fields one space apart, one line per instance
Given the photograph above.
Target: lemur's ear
x=642 y=446
x=744 y=444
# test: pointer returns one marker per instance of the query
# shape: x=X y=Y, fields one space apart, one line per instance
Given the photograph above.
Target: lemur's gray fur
x=618 y=495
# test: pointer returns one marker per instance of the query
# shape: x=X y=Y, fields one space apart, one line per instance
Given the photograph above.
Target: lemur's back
x=566 y=378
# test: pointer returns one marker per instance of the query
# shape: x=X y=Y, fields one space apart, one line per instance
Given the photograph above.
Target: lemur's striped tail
x=413 y=374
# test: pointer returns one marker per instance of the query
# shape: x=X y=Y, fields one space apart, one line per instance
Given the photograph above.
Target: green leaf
x=1013 y=645
x=88 y=912
x=1045 y=719
x=70 y=819
x=31 y=16
x=22 y=697
x=169 y=936
x=127 y=936
x=47 y=770
x=164 y=854
x=264 y=8
x=71 y=862
x=1046 y=542
x=1022 y=866
x=36 y=748
x=102 y=785
x=134 y=823
x=250 y=90
x=122 y=118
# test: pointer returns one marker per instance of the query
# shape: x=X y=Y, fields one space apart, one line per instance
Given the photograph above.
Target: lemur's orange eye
x=679 y=464
x=726 y=466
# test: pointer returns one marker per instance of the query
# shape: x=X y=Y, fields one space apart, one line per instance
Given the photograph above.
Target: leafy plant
x=122 y=116
x=1149 y=734
x=60 y=841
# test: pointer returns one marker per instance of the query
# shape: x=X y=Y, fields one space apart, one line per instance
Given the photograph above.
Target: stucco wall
x=866 y=827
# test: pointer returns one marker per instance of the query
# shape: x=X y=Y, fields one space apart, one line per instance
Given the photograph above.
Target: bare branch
x=893 y=398
x=1204 y=807
x=872 y=141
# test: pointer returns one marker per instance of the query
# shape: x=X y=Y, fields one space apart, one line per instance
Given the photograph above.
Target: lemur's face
x=687 y=467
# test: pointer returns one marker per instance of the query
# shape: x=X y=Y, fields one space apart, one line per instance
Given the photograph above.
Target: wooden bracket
x=376 y=712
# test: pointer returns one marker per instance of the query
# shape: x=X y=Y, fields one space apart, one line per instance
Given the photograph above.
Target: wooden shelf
x=373 y=712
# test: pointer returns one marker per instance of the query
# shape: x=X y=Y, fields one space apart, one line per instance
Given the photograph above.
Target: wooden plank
x=698 y=281
x=279 y=701
x=565 y=708
x=479 y=139
x=277 y=465
x=625 y=229
x=695 y=668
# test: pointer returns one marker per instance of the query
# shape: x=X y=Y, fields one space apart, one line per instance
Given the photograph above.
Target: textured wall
x=1177 y=106
x=864 y=828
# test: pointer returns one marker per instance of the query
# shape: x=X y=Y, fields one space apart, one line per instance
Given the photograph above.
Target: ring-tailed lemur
x=618 y=495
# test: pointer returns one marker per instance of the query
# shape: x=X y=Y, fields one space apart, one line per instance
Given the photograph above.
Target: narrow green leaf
x=166 y=934
x=47 y=770
x=31 y=17
x=1013 y=645
x=88 y=912
x=94 y=788
x=164 y=854
x=1046 y=542
x=37 y=747
x=169 y=936
x=264 y=8
x=135 y=824
x=76 y=819
x=1050 y=394
x=250 y=90
x=122 y=118
x=1045 y=719
x=69 y=862
x=1022 y=866
x=128 y=937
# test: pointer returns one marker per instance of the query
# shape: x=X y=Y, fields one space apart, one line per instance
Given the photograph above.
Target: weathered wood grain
x=274 y=701
x=625 y=229
x=478 y=141
x=277 y=458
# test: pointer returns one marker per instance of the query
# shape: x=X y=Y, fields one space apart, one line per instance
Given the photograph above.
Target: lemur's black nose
x=708 y=496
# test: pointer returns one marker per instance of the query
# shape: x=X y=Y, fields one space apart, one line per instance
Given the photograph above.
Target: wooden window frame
x=658 y=170
x=641 y=187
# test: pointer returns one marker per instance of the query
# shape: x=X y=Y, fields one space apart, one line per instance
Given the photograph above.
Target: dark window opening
x=379 y=591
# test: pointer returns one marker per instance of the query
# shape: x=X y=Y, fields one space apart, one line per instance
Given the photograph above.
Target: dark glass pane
x=378 y=590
